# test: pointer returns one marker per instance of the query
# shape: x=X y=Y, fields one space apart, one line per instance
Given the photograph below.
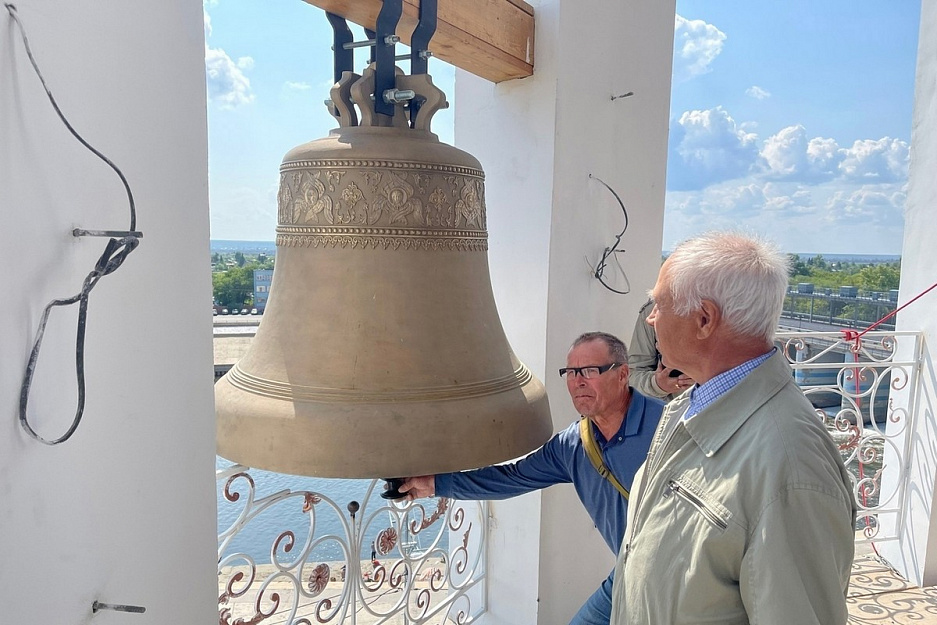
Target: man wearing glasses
x=621 y=422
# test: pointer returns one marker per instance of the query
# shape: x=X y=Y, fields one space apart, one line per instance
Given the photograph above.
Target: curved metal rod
x=603 y=262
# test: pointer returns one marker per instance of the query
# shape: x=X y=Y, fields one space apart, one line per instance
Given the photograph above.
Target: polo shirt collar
x=631 y=424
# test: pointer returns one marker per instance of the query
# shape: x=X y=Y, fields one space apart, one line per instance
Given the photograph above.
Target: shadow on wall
x=923 y=451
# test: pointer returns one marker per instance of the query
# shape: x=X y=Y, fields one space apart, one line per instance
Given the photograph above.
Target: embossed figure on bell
x=380 y=352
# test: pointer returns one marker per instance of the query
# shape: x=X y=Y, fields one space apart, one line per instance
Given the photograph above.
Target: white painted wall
x=916 y=554
x=124 y=512
x=538 y=140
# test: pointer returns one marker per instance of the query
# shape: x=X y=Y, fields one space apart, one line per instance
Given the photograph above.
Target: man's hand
x=671 y=386
x=419 y=487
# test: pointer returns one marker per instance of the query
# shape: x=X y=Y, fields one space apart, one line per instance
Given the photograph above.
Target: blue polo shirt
x=563 y=459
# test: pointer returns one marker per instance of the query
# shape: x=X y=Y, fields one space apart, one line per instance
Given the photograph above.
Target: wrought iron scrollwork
x=429 y=559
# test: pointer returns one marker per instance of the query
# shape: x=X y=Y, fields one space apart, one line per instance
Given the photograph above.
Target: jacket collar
x=716 y=423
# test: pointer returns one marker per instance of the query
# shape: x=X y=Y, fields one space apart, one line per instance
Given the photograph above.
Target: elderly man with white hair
x=743 y=511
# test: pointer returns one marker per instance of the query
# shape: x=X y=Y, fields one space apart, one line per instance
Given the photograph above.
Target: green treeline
x=867 y=302
x=232 y=278
x=880 y=277
x=233 y=275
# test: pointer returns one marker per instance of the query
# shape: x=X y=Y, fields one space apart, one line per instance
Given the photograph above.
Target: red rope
x=853 y=335
x=856 y=338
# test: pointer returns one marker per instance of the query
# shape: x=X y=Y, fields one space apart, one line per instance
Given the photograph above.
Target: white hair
x=745 y=276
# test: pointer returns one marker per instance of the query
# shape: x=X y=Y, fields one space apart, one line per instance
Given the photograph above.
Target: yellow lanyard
x=595 y=456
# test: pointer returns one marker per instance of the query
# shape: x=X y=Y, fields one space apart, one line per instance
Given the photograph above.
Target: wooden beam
x=493 y=39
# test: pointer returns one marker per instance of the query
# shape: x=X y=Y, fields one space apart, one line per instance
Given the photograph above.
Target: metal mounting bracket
x=419 y=49
x=419 y=41
x=384 y=52
x=344 y=56
x=382 y=42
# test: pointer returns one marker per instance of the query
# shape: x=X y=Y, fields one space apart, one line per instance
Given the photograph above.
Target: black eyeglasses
x=590 y=372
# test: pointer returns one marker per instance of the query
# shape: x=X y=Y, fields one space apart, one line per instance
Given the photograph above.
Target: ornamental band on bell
x=381 y=204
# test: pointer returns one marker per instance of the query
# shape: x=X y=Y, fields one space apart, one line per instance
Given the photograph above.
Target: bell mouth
x=349 y=440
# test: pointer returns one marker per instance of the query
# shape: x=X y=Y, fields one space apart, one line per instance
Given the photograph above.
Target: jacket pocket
x=712 y=512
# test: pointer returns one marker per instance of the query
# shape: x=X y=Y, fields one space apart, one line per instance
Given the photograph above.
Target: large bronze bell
x=380 y=353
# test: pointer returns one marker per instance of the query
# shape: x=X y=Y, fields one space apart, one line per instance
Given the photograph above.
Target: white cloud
x=757 y=92
x=787 y=201
x=824 y=156
x=226 y=81
x=832 y=217
x=866 y=206
x=297 y=86
x=696 y=45
x=786 y=152
x=738 y=200
x=790 y=154
x=884 y=160
x=707 y=147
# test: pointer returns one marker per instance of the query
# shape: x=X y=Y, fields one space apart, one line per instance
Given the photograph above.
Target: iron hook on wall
x=118 y=247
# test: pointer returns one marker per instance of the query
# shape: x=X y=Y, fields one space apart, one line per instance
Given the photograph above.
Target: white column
x=915 y=555
x=539 y=139
x=124 y=511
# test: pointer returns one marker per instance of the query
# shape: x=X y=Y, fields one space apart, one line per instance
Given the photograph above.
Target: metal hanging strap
x=382 y=42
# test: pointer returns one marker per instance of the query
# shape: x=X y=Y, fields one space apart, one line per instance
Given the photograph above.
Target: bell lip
x=323 y=440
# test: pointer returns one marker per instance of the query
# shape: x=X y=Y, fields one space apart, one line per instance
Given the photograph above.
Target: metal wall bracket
x=134 y=609
x=117 y=234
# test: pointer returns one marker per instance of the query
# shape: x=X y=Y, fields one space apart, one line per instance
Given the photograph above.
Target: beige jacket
x=643 y=356
x=744 y=514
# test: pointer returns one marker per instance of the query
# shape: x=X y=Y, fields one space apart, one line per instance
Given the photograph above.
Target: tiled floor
x=878 y=595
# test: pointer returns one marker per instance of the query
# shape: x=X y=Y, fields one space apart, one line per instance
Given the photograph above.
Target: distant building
x=262 y=280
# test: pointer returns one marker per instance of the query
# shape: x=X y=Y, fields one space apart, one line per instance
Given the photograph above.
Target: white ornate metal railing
x=865 y=393
x=366 y=562
x=428 y=562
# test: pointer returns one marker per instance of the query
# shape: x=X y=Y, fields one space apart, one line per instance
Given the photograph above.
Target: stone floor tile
x=917 y=606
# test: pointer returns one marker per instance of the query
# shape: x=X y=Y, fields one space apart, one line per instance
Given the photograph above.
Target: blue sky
x=790 y=119
x=269 y=70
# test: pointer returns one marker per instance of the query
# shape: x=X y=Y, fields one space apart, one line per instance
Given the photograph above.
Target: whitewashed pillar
x=538 y=140
x=124 y=511
x=915 y=554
